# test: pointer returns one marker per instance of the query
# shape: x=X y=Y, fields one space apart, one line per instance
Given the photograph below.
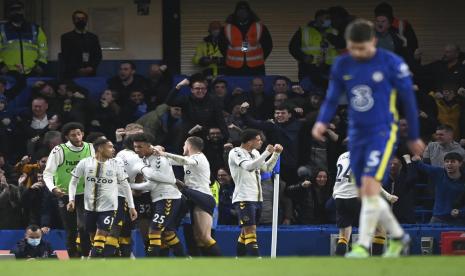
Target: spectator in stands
x=261 y=104
x=208 y=54
x=163 y=123
x=309 y=197
x=285 y=203
x=435 y=151
x=388 y=37
x=340 y=18
x=105 y=113
x=135 y=108
x=48 y=90
x=220 y=93
x=127 y=81
x=428 y=114
x=32 y=198
x=45 y=143
x=450 y=106
x=281 y=85
x=32 y=126
x=246 y=42
x=200 y=111
x=75 y=105
x=23 y=45
x=284 y=130
x=214 y=149
x=226 y=211
x=449 y=186
x=29 y=171
x=401 y=27
x=234 y=122
x=159 y=84
x=11 y=92
x=434 y=75
x=80 y=49
x=311 y=48
x=402 y=180
x=10 y=204
x=33 y=246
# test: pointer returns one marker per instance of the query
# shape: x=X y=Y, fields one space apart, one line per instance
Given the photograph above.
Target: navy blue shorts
x=99 y=220
x=166 y=214
x=143 y=204
x=204 y=201
x=370 y=153
x=122 y=218
x=347 y=212
x=248 y=212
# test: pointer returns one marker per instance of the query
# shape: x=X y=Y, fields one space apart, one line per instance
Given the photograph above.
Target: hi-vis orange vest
x=252 y=53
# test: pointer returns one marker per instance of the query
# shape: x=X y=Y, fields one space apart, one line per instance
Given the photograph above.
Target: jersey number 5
x=373 y=159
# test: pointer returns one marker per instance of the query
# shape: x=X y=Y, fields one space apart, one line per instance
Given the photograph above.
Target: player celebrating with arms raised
x=371 y=78
x=246 y=163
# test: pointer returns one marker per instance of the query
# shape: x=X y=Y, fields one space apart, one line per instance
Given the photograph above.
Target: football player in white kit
x=346 y=195
x=166 y=198
x=102 y=174
x=246 y=163
x=198 y=192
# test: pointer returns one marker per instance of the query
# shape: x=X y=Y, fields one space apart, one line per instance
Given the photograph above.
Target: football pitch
x=412 y=266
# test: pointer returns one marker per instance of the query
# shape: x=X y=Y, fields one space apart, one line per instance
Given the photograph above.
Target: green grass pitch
x=411 y=266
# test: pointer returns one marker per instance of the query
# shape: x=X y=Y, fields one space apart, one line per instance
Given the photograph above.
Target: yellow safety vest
x=207 y=49
x=32 y=48
x=215 y=188
x=312 y=44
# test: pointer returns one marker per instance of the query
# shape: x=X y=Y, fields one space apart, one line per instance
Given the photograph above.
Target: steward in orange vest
x=245 y=43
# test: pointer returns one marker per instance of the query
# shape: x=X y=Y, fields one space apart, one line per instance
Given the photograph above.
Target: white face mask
x=215 y=33
x=33 y=242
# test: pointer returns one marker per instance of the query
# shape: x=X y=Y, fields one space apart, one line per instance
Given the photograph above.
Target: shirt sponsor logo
x=362 y=99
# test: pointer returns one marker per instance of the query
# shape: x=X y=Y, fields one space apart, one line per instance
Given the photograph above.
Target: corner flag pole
x=274 y=227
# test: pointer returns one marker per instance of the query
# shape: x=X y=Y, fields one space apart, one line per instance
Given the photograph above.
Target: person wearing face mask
x=208 y=54
x=23 y=45
x=245 y=42
x=33 y=246
x=311 y=47
x=80 y=49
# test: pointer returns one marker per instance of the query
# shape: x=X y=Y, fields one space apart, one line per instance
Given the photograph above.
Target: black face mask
x=80 y=25
x=17 y=18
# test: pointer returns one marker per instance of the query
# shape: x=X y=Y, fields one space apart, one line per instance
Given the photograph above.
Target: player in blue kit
x=371 y=79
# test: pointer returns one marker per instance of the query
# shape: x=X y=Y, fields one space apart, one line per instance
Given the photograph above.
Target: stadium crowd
x=218 y=113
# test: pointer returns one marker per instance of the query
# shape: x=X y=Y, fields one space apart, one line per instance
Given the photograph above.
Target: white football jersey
x=197 y=176
x=101 y=183
x=160 y=177
x=344 y=187
x=248 y=183
x=132 y=164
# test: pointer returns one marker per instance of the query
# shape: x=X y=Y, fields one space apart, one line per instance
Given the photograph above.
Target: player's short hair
x=99 y=142
x=249 y=135
x=71 y=126
x=33 y=228
x=196 y=142
x=453 y=156
x=360 y=30
x=445 y=127
x=93 y=136
x=142 y=138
